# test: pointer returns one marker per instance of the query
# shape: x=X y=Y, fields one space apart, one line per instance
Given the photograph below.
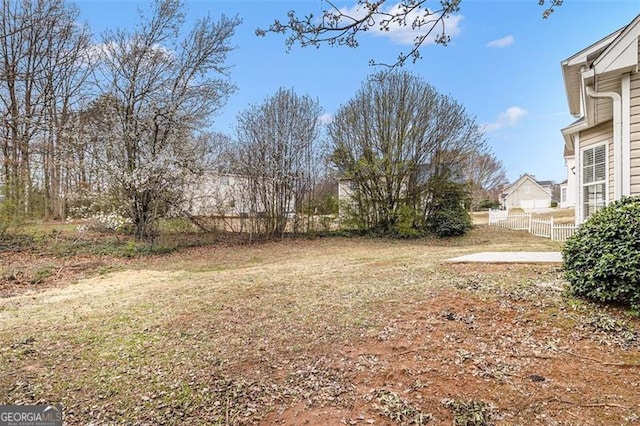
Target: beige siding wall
x=344 y=190
x=635 y=133
x=527 y=191
x=604 y=106
x=597 y=135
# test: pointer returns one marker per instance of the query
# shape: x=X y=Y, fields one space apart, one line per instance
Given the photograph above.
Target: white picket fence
x=526 y=222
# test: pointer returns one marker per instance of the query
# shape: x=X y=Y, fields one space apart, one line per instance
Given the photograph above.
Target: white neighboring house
x=219 y=194
x=568 y=187
x=602 y=84
x=345 y=195
x=525 y=193
x=227 y=194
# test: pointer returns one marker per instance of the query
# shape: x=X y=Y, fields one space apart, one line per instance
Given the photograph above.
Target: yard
x=314 y=331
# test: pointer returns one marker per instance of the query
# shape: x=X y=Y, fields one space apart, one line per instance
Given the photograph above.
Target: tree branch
x=341 y=26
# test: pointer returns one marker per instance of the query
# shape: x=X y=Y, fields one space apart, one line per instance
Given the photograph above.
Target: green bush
x=176 y=225
x=350 y=217
x=602 y=259
x=448 y=216
x=10 y=217
x=405 y=226
x=450 y=222
x=4 y=219
x=488 y=204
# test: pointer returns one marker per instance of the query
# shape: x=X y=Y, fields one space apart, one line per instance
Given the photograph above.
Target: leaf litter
x=327 y=331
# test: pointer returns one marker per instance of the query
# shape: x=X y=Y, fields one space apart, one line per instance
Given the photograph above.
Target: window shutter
x=588 y=174
x=600 y=163
x=588 y=158
x=594 y=176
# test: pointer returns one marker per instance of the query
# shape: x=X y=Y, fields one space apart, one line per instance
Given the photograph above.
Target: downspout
x=618 y=176
x=625 y=108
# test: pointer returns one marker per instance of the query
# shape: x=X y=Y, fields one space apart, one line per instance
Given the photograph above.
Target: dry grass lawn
x=325 y=331
x=559 y=216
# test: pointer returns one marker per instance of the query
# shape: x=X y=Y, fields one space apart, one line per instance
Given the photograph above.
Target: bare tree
x=277 y=153
x=164 y=89
x=397 y=142
x=41 y=76
x=485 y=174
x=341 y=26
x=68 y=69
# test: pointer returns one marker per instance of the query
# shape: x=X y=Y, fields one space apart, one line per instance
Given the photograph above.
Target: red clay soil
x=508 y=358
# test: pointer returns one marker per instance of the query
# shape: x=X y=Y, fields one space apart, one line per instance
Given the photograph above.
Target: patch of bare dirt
x=510 y=359
x=29 y=271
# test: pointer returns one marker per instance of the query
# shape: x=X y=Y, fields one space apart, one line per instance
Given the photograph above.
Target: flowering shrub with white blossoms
x=105 y=222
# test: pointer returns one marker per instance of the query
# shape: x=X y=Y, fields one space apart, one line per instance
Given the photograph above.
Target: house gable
x=622 y=53
x=572 y=71
x=517 y=184
x=600 y=66
x=526 y=192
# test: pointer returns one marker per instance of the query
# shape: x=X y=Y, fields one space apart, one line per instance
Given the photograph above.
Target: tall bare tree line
x=127 y=119
x=42 y=77
x=124 y=115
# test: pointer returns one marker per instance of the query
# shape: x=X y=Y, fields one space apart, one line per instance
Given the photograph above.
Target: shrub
x=448 y=216
x=554 y=204
x=177 y=225
x=350 y=217
x=4 y=218
x=602 y=259
x=405 y=226
x=106 y=222
x=11 y=215
x=450 y=222
x=488 y=204
x=470 y=413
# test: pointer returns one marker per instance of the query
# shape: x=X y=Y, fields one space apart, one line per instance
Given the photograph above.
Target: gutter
x=618 y=176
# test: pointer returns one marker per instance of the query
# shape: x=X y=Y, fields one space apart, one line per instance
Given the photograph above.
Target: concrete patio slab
x=509 y=257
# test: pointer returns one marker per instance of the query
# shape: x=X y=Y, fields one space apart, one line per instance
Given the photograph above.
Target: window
x=563 y=195
x=594 y=175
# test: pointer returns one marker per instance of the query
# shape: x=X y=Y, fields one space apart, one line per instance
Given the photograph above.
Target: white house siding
x=345 y=196
x=528 y=196
x=594 y=136
x=635 y=133
x=344 y=190
x=219 y=195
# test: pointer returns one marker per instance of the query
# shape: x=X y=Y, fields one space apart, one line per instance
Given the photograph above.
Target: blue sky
x=503 y=64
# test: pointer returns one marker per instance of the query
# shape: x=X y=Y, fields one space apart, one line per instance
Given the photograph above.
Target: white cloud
x=325 y=119
x=99 y=51
x=509 y=118
x=502 y=42
x=406 y=34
